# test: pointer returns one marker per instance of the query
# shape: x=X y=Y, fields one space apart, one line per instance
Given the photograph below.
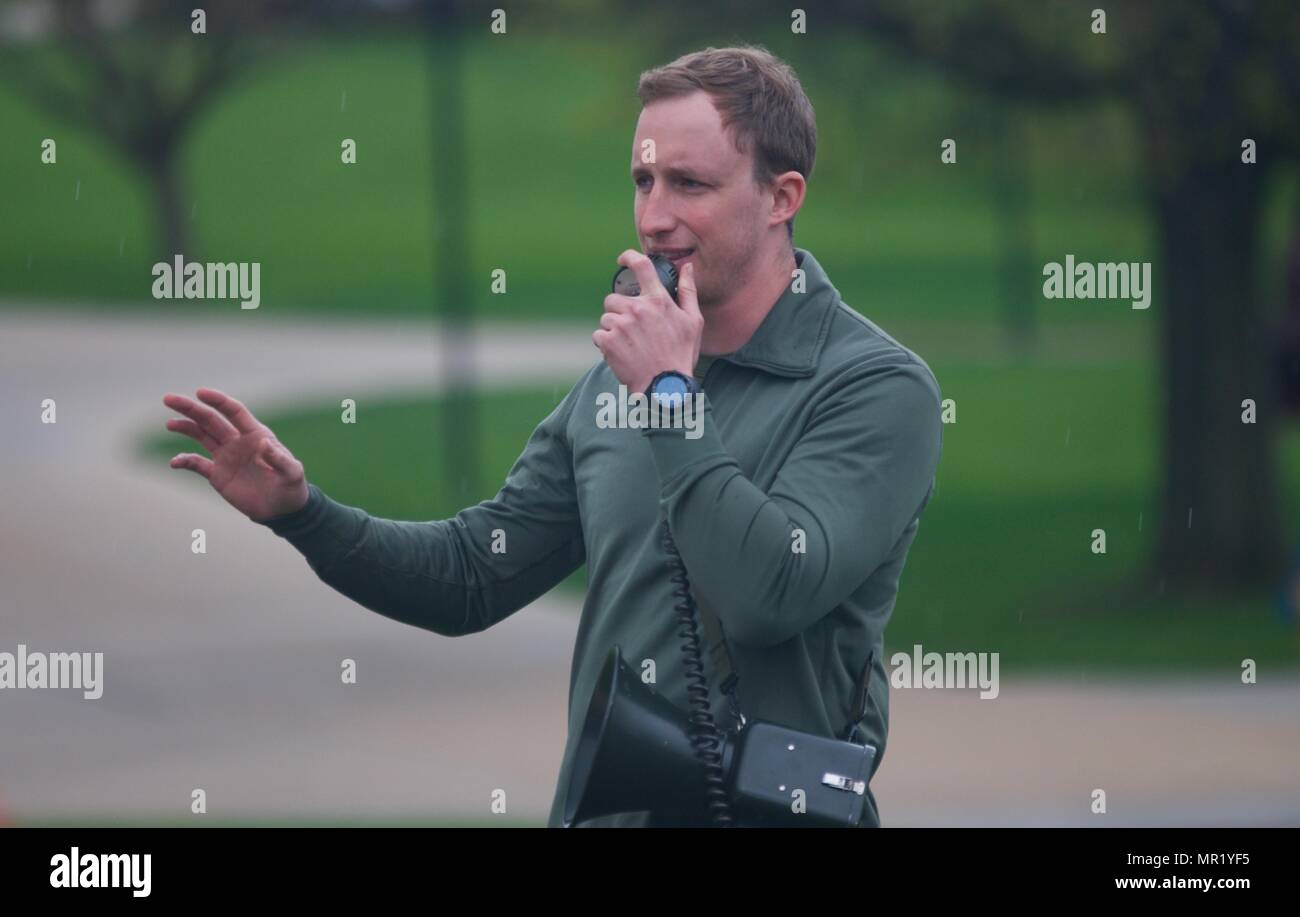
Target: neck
x=729 y=324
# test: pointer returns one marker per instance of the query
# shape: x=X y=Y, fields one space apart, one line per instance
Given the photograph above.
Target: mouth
x=677 y=256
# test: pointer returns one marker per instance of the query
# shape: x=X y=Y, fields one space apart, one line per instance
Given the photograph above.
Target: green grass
x=904 y=236
x=1003 y=560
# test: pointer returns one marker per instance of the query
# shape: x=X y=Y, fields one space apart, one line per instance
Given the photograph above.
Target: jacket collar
x=790 y=339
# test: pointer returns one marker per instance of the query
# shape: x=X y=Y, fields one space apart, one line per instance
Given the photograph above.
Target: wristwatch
x=671 y=388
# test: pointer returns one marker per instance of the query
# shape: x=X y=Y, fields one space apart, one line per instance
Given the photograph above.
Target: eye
x=643 y=178
x=690 y=182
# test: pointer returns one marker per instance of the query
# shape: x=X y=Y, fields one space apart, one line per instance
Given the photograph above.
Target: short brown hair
x=759 y=98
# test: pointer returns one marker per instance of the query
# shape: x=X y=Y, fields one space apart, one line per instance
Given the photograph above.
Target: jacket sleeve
x=856 y=478
x=460 y=575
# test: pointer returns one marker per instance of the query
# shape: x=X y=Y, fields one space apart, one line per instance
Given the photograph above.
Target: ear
x=788 y=190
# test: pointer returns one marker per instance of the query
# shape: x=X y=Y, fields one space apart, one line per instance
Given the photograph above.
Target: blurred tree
x=141 y=73
x=1000 y=128
x=452 y=213
x=1199 y=80
x=137 y=74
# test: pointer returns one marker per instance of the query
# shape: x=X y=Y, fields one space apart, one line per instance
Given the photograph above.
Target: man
x=793 y=504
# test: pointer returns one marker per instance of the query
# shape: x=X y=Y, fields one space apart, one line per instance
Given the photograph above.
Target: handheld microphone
x=625 y=281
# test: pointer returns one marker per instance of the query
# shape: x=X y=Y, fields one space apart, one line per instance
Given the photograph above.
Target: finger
x=279 y=459
x=601 y=339
x=191 y=429
x=646 y=275
x=686 y=292
x=209 y=420
x=239 y=415
x=195 y=463
x=609 y=321
x=617 y=302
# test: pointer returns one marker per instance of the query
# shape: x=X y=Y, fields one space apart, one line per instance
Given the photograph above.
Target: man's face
x=697 y=201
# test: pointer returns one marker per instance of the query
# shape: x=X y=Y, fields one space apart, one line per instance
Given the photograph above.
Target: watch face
x=670 y=390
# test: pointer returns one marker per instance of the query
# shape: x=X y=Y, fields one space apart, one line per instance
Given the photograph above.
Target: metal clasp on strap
x=848 y=784
x=729 y=691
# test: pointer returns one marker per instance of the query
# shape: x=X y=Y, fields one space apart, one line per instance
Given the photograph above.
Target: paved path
x=222 y=670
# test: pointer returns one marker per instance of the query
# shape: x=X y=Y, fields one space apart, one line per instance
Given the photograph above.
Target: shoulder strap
x=715 y=644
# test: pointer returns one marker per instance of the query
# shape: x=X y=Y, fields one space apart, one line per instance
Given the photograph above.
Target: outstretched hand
x=252 y=470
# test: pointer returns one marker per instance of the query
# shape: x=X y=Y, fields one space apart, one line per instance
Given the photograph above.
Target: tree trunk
x=454 y=294
x=1012 y=211
x=163 y=170
x=1220 y=520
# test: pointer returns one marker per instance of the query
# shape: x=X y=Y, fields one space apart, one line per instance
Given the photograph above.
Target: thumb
x=686 y=297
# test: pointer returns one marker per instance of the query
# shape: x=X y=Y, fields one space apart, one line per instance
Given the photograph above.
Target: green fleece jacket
x=793 y=506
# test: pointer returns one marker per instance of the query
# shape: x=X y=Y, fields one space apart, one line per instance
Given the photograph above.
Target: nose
x=654 y=212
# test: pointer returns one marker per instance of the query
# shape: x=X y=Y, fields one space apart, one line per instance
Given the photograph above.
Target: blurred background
x=486 y=141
